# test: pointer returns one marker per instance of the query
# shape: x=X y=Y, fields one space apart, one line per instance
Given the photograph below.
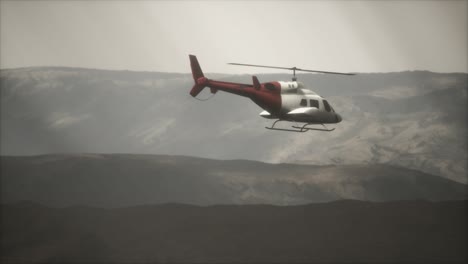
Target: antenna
x=294 y=69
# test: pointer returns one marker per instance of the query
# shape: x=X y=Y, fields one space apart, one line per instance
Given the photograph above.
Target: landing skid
x=300 y=129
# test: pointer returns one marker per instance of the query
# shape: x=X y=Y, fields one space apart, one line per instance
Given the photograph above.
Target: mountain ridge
x=415 y=120
x=207 y=73
x=113 y=180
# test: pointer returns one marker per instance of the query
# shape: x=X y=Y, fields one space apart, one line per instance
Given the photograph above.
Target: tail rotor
x=198 y=77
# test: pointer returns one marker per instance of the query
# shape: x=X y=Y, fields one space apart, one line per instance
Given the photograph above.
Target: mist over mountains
x=416 y=120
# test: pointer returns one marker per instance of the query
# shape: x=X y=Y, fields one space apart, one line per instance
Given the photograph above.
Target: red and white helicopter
x=284 y=101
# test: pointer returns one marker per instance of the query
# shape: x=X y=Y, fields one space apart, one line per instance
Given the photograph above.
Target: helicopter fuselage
x=289 y=101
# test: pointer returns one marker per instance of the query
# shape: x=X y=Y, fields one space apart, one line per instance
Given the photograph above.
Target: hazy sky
x=357 y=36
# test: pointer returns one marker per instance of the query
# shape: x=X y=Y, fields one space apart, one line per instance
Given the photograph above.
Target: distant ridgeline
x=127 y=180
x=416 y=120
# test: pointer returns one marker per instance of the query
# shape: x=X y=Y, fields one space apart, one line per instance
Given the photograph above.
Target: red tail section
x=256 y=83
x=198 y=77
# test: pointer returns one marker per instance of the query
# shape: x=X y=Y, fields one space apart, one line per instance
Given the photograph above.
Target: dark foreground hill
x=337 y=232
x=127 y=180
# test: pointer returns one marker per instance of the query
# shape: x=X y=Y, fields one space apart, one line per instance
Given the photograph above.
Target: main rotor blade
x=262 y=66
x=328 y=72
x=289 y=68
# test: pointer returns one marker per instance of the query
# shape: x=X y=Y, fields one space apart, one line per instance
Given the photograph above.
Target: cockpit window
x=303 y=102
x=327 y=106
x=314 y=103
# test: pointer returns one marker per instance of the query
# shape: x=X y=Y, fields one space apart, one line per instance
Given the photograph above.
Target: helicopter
x=280 y=100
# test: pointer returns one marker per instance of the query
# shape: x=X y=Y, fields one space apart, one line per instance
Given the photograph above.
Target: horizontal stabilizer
x=265 y=114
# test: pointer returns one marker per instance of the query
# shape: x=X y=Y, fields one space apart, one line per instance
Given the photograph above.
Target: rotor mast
x=294 y=74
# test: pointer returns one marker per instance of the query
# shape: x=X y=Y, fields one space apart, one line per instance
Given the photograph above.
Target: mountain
x=337 y=232
x=416 y=120
x=106 y=180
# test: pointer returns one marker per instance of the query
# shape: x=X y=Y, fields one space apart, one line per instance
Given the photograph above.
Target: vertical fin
x=196 y=69
x=256 y=83
x=197 y=73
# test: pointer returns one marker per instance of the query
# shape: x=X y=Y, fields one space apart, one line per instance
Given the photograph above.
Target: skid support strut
x=300 y=129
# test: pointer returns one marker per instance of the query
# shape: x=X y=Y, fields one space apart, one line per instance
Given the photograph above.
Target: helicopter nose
x=338 y=118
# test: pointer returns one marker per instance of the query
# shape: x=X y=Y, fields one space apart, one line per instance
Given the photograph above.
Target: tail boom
x=267 y=98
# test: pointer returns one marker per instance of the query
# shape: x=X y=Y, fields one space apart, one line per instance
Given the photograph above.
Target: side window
x=314 y=103
x=303 y=102
x=327 y=106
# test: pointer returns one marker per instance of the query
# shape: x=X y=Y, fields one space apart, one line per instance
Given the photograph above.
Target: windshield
x=327 y=106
